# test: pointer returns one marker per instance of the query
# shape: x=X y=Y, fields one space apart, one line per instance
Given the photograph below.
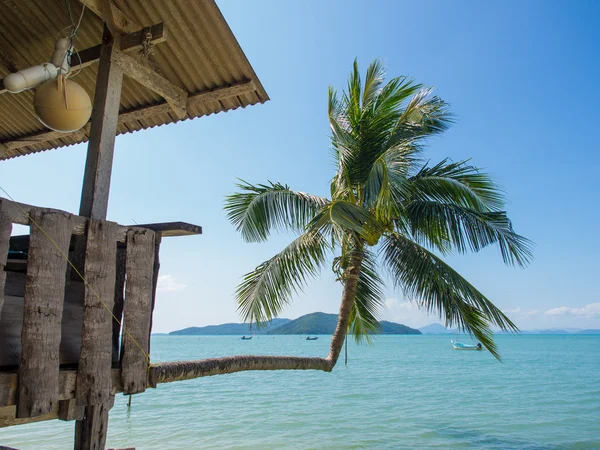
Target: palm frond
x=256 y=210
x=369 y=300
x=438 y=288
x=349 y=218
x=373 y=81
x=267 y=289
x=457 y=183
x=465 y=229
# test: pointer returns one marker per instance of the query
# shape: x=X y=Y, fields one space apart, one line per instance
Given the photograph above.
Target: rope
x=147 y=47
x=146 y=355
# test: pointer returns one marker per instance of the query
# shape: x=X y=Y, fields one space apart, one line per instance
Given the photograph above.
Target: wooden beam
x=129 y=42
x=170 y=229
x=68 y=410
x=218 y=94
x=115 y=18
x=42 y=315
x=199 y=98
x=174 y=95
x=98 y=165
x=137 y=310
x=67 y=382
x=19 y=213
x=5 y=231
x=93 y=378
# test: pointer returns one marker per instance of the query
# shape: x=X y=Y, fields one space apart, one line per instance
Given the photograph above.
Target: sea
x=401 y=392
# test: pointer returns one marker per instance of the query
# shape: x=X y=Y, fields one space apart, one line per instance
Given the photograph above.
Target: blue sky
x=522 y=78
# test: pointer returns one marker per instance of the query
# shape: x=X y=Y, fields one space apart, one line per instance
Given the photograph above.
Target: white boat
x=460 y=346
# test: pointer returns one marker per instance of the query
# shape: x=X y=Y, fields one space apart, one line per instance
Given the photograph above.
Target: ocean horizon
x=404 y=391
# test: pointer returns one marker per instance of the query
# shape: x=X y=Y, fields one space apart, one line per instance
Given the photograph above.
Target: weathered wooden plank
x=118 y=306
x=172 y=229
x=173 y=94
x=19 y=213
x=98 y=164
x=68 y=410
x=90 y=432
x=11 y=323
x=222 y=93
x=66 y=386
x=42 y=314
x=93 y=379
x=137 y=310
x=5 y=230
x=8 y=416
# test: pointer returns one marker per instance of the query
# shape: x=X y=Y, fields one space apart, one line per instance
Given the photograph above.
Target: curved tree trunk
x=187 y=370
x=350 y=286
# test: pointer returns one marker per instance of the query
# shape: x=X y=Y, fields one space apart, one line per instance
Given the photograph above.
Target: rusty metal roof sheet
x=200 y=55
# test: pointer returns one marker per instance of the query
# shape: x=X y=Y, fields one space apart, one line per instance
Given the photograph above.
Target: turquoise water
x=402 y=392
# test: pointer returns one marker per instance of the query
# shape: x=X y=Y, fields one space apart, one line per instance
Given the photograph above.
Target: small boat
x=459 y=346
x=308 y=338
x=244 y=338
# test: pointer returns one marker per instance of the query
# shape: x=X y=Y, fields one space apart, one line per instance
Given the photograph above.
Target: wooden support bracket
x=174 y=95
x=115 y=19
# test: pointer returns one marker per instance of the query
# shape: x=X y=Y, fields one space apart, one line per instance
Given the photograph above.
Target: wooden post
x=5 y=230
x=105 y=115
x=93 y=377
x=90 y=433
x=137 y=310
x=42 y=315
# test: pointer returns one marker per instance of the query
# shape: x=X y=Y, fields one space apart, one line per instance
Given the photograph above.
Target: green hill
x=321 y=323
x=227 y=329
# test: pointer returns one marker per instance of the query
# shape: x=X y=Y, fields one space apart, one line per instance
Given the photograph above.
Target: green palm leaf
x=438 y=288
x=345 y=217
x=267 y=289
x=369 y=300
x=256 y=210
x=457 y=183
x=465 y=229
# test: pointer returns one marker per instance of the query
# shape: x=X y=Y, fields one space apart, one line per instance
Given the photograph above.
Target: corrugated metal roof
x=200 y=55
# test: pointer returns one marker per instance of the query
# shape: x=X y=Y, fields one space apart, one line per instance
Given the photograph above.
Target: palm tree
x=389 y=210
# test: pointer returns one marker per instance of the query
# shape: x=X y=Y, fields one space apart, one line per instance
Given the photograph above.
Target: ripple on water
x=403 y=392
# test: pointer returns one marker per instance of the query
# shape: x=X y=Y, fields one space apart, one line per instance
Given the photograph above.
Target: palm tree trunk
x=187 y=370
x=348 y=296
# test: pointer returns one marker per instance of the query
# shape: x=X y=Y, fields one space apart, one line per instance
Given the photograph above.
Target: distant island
x=315 y=323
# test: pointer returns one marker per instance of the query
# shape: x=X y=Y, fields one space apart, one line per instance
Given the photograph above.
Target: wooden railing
x=54 y=315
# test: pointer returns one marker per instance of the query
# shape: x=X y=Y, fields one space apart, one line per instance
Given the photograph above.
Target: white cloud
x=591 y=310
x=167 y=283
x=518 y=313
x=407 y=313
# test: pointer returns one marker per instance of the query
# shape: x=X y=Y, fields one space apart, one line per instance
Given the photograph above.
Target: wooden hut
x=66 y=287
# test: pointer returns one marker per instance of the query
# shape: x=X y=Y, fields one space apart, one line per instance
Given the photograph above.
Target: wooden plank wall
x=43 y=306
x=137 y=310
x=5 y=230
x=93 y=379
